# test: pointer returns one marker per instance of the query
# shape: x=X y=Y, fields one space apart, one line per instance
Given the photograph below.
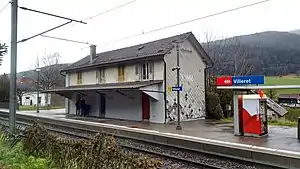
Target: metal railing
x=276 y=107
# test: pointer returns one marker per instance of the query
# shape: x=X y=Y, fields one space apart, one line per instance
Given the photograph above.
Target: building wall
x=111 y=74
x=127 y=107
x=192 y=79
x=157 y=107
x=157 y=102
x=33 y=96
x=57 y=100
x=118 y=106
x=88 y=78
x=67 y=101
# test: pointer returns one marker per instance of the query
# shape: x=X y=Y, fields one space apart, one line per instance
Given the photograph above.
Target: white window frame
x=100 y=75
x=144 y=71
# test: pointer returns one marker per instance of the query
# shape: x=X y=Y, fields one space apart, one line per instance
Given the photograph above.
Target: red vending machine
x=253 y=115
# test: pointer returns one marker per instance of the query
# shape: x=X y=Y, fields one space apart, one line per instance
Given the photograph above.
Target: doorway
x=145 y=106
x=102 y=105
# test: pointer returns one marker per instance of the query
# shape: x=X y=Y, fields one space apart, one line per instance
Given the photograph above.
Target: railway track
x=175 y=158
x=181 y=163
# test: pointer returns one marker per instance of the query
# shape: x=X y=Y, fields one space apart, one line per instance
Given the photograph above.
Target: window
x=147 y=71
x=121 y=74
x=79 y=77
x=101 y=75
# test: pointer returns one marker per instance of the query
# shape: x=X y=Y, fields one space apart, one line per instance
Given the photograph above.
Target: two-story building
x=134 y=83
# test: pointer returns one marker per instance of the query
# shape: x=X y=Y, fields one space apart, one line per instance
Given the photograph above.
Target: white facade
x=111 y=74
x=30 y=99
x=192 y=79
x=128 y=104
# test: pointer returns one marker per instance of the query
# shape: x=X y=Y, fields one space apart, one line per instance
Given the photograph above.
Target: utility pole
x=38 y=89
x=13 y=58
x=13 y=66
x=178 y=127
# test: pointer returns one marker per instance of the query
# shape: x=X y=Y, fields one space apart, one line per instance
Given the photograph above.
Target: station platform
x=281 y=149
x=283 y=138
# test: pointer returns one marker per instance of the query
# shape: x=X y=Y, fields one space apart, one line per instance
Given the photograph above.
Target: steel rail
x=171 y=157
x=92 y=130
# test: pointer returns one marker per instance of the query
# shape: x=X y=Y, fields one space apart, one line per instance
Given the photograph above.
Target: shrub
x=214 y=109
x=100 y=152
x=224 y=97
x=15 y=158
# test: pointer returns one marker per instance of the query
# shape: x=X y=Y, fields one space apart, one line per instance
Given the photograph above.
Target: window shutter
x=97 y=76
x=151 y=71
x=102 y=75
x=137 y=72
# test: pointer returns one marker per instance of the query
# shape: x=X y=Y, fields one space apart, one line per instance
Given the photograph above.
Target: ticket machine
x=252 y=112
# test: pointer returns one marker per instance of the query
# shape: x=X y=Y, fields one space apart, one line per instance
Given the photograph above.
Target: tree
x=230 y=57
x=22 y=89
x=4 y=88
x=3 y=51
x=49 y=75
x=271 y=93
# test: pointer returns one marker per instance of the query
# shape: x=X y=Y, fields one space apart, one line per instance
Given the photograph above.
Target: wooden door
x=145 y=106
x=102 y=105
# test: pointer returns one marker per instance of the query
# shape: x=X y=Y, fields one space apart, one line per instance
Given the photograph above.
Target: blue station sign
x=248 y=80
x=175 y=88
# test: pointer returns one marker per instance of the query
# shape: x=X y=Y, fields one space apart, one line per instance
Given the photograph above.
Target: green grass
x=291 y=119
x=16 y=158
x=27 y=108
x=284 y=80
x=283 y=123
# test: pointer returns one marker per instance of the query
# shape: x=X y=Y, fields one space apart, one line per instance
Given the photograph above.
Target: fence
x=5 y=105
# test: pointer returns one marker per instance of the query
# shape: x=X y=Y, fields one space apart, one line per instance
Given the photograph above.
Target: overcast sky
x=139 y=16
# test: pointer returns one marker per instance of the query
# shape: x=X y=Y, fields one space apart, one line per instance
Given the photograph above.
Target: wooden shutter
x=102 y=75
x=151 y=70
x=137 y=72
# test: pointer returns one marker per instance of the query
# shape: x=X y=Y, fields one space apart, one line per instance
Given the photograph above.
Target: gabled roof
x=142 y=51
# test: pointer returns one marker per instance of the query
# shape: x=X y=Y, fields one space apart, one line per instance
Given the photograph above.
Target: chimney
x=92 y=53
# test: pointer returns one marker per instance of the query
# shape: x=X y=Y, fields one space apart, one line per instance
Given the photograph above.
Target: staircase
x=281 y=111
x=276 y=107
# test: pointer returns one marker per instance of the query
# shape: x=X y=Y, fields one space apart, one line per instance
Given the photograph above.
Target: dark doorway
x=145 y=106
x=102 y=105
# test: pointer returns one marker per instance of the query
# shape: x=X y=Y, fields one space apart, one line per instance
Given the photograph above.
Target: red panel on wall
x=224 y=81
x=252 y=124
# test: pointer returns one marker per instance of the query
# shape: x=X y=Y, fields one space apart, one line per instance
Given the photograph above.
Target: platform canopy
x=260 y=87
x=68 y=91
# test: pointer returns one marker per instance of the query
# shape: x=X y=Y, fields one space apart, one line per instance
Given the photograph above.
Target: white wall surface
x=88 y=78
x=33 y=96
x=117 y=105
x=122 y=107
x=192 y=98
x=157 y=107
x=111 y=74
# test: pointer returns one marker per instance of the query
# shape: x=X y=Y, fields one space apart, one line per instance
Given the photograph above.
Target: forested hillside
x=268 y=53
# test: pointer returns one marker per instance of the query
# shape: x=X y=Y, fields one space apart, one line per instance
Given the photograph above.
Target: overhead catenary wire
x=109 y=10
x=2 y=9
x=88 y=18
x=49 y=14
x=64 y=39
x=23 y=40
x=184 y=22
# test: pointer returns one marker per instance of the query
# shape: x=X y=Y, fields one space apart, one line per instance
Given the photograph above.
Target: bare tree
x=21 y=91
x=3 y=51
x=4 y=88
x=229 y=55
x=49 y=75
